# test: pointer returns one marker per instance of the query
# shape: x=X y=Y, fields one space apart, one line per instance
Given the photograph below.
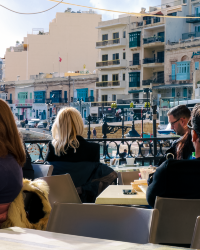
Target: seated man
x=179 y=178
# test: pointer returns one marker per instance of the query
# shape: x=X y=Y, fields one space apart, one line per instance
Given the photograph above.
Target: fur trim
x=17 y=215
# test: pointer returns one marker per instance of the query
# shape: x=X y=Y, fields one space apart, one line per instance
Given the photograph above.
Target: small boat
x=167 y=130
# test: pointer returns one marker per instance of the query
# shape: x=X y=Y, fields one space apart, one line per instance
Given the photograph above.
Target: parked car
x=31 y=124
x=36 y=121
x=40 y=125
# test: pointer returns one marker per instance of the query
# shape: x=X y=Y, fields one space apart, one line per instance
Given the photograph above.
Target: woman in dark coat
x=70 y=153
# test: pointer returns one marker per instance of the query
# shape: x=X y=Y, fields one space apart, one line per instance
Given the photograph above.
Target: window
x=91 y=92
x=113 y=98
x=116 y=56
x=124 y=55
x=115 y=77
x=196 y=65
x=185 y=92
x=22 y=97
x=183 y=70
x=116 y=35
x=124 y=77
x=82 y=94
x=134 y=39
x=197 y=28
x=56 y=96
x=173 y=92
x=197 y=11
x=136 y=60
x=172 y=14
x=104 y=78
x=104 y=58
x=30 y=95
x=39 y=96
x=134 y=79
x=104 y=98
x=124 y=34
x=65 y=95
x=105 y=37
x=11 y=97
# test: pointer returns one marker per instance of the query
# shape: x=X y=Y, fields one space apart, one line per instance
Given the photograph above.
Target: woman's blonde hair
x=10 y=139
x=68 y=124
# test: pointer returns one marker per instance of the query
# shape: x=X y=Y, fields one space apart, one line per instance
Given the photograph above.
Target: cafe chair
x=176 y=221
x=103 y=222
x=196 y=235
x=125 y=178
x=42 y=170
x=61 y=189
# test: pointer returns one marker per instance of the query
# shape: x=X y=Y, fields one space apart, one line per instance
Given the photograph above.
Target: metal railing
x=193 y=20
x=56 y=100
x=140 y=24
x=134 y=100
x=108 y=84
x=39 y=100
x=142 y=154
x=108 y=42
x=153 y=60
x=101 y=104
x=108 y=63
x=156 y=20
x=134 y=63
x=190 y=34
x=153 y=39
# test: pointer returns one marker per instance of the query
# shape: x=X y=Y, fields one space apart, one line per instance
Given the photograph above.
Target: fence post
x=104 y=132
x=89 y=120
x=154 y=131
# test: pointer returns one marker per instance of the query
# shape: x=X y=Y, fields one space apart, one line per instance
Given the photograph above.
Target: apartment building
x=134 y=59
x=42 y=97
x=1 y=66
x=72 y=37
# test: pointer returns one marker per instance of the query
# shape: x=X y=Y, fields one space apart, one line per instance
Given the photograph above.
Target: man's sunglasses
x=172 y=123
x=190 y=125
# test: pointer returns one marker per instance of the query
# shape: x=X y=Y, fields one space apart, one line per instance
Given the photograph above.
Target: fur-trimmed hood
x=31 y=208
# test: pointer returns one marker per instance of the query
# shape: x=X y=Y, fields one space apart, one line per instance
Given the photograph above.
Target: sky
x=14 y=27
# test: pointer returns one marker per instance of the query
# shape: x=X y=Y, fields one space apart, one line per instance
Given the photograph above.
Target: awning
x=171 y=86
x=135 y=91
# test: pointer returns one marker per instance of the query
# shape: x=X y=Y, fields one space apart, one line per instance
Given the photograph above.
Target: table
x=113 y=195
x=127 y=169
x=22 y=239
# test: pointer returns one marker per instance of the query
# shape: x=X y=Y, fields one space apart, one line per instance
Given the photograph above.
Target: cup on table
x=130 y=161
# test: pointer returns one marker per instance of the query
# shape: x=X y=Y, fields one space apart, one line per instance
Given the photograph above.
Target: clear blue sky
x=14 y=27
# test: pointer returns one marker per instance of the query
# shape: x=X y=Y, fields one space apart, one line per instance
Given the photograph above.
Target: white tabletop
x=16 y=238
x=113 y=195
x=123 y=168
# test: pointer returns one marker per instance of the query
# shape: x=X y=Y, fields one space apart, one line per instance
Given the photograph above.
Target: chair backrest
x=61 y=189
x=196 y=235
x=176 y=220
x=125 y=178
x=105 y=222
x=42 y=170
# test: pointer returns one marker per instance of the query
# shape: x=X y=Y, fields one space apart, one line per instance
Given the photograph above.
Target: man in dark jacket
x=178 y=117
x=179 y=179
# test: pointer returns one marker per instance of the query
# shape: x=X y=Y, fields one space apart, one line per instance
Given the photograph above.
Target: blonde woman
x=68 y=143
x=70 y=153
x=12 y=158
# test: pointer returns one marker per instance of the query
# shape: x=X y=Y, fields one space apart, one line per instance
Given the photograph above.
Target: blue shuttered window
x=196 y=65
x=173 y=71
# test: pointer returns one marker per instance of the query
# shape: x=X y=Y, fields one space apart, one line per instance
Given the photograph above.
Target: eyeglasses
x=172 y=123
x=190 y=125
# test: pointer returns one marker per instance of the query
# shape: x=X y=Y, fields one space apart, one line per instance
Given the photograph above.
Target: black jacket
x=85 y=175
x=28 y=172
x=175 y=179
x=86 y=151
x=187 y=151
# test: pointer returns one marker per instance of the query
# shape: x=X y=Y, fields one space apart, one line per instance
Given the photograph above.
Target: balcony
x=157 y=80
x=190 y=34
x=39 y=100
x=135 y=64
x=154 y=41
x=193 y=20
x=153 y=62
x=100 y=104
x=56 y=100
x=89 y=99
x=154 y=21
x=24 y=103
x=111 y=84
x=114 y=64
x=111 y=43
x=139 y=24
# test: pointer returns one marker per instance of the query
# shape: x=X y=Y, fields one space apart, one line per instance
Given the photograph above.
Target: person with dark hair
x=179 y=178
x=182 y=148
